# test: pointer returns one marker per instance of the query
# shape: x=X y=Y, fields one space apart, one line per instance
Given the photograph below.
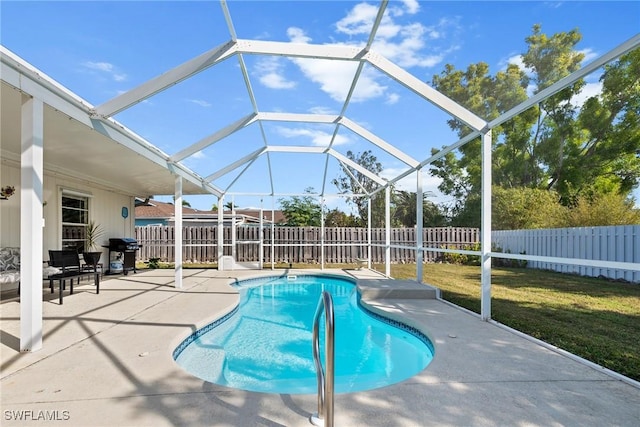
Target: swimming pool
x=264 y=344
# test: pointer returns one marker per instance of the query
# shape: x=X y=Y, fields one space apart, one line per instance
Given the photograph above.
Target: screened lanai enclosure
x=282 y=113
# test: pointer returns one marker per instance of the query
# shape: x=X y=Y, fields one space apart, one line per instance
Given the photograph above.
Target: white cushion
x=9 y=277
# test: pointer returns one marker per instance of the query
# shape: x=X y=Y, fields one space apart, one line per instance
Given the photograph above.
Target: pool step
x=395 y=289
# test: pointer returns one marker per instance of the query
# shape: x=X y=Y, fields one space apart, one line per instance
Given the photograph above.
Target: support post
x=31 y=223
x=177 y=247
x=273 y=230
x=220 y=231
x=369 y=233
x=419 y=227
x=233 y=230
x=322 y=201
x=485 y=229
x=387 y=231
x=261 y=235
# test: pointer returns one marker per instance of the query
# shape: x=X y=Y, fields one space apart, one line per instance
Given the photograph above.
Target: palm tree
x=405 y=210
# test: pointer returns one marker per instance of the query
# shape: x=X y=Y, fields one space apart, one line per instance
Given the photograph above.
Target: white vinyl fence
x=614 y=243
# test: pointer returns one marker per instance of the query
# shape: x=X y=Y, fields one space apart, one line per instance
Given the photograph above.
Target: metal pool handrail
x=325 y=378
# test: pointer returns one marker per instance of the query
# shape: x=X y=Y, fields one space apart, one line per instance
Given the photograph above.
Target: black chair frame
x=69 y=262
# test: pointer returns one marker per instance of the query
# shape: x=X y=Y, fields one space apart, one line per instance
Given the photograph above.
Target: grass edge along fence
x=619 y=243
x=344 y=245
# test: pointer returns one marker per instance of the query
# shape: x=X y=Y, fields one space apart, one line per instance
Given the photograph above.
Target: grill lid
x=123 y=240
x=120 y=243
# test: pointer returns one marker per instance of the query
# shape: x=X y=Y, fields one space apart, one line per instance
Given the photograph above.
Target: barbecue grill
x=127 y=246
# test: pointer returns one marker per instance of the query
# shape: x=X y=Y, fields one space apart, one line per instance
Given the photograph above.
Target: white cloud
x=404 y=43
x=589 y=54
x=359 y=20
x=588 y=91
x=515 y=60
x=100 y=66
x=412 y=6
x=198 y=155
x=270 y=72
x=297 y=35
x=322 y=110
x=406 y=52
x=200 y=102
x=318 y=138
x=105 y=68
x=392 y=98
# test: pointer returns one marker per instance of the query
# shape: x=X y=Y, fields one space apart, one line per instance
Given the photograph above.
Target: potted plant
x=7 y=191
x=92 y=253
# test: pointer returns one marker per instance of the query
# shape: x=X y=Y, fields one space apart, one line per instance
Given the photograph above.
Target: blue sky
x=102 y=49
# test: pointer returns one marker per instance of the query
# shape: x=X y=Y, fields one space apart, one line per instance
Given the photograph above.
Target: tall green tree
x=558 y=145
x=608 y=159
x=354 y=182
x=526 y=208
x=302 y=211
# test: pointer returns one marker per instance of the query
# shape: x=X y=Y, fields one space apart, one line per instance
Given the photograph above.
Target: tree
x=185 y=203
x=337 y=218
x=526 y=208
x=609 y=156
x=603 y=209
x=230 y=206
x=405 y=211
x=302 y=211
x=558 y=145
x=355 y=182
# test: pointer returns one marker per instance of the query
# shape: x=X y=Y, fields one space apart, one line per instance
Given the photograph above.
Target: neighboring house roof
x=278 y=216
x=156 y=209
x=153 y=209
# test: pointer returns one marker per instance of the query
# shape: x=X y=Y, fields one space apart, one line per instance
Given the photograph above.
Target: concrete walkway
x=107 y=361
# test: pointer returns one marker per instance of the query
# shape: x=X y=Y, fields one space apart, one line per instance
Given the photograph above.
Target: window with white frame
x=75 y=217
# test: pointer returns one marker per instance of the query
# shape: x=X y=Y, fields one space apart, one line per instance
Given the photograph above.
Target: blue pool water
x=265 y=345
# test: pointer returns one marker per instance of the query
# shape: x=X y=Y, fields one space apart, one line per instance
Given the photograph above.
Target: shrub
x=154 y=263
x=462 y=259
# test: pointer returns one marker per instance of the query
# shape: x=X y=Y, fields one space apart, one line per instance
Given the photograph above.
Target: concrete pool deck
x=106 y=361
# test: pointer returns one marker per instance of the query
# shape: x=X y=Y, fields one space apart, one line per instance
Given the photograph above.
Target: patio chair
x=68 y=261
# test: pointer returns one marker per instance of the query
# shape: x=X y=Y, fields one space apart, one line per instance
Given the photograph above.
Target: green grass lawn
x=596 y=319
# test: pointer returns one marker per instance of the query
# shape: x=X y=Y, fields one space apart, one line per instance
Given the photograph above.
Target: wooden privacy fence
x=299 y=244
x=613 y=243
